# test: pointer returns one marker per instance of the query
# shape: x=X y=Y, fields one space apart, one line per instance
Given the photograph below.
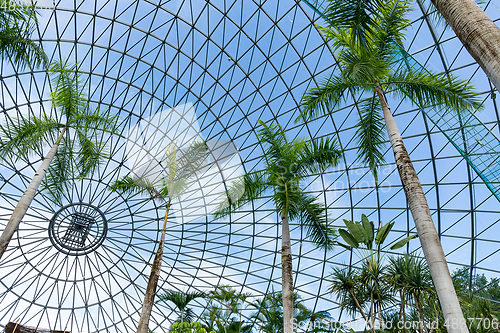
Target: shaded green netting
x=473 y=140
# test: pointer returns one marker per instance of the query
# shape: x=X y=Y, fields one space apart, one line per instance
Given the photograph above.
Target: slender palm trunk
x=380 y=319
x=403 y=306
x=25 y=201
x=427 y=233
x=477 y=32
x=420 y=313
x=149 y=297
x=361 y=310
x=286 y=274
x=373 y=313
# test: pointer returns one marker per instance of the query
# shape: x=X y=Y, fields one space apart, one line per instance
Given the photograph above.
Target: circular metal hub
x=77 y=229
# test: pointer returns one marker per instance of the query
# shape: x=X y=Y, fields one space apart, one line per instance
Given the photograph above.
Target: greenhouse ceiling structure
x=211 y=70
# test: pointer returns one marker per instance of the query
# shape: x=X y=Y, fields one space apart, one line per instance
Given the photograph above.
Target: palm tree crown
x=78 y=130
x=181 y=300
x=286 y=164
x=368 y=37
x=17 y=23
x=76 y=135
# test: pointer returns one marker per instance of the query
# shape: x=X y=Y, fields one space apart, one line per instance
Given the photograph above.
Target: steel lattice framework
x=236 y=61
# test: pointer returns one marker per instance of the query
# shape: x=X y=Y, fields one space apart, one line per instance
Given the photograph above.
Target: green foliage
x=224 y=310
x=181 y=166
x=185 y=327
x=480 y=301
x=269 y=314
x=363 y=233
x=286 y=164
x=17 y=24
x=367 y=37
x=181 y=300
x=80 y=131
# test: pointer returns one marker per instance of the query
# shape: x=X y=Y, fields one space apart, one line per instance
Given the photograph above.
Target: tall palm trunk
x=149 y=297
x=477 y=32
x=25 y=201
x=286 y=275
x=427 y=233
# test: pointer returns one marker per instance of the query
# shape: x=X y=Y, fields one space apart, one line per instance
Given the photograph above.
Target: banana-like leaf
x=403 y=242
x=382 y=232
x=343 y=245
x=357 y=234
x=348 y=238
x=369 y=229
x=363 y=232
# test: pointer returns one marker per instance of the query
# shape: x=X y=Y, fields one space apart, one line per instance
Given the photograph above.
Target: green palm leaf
x=253 y=185
x=356 y=16
x=16 y=28
x=21 y=135
x=371 y=134
x=317 y=156
x=321 y=100
x=429 y=89
x=67 y=92
x=314 y=220
x=61 y=170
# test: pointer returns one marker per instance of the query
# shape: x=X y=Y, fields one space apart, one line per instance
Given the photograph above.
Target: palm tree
x=179 y=170
x=76 y=139
x=269 y=314
x=397 y=272
x=181 y=301
x=286 y=164
x=346 y=284
x=477 y=32
x=418 y=283
x=224 y=311
x=367 y=40
x=17 y=23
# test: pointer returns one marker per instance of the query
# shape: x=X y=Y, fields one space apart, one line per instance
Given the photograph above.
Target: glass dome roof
x=236 y=62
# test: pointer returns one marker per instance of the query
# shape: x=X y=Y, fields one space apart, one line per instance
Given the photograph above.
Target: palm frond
x=428 y=89
x=390 y=25
x=371 y=134
x=20 y=136
x=23 y=51
x=313 y=217
x=317 y=156
x=254 y=185
x=132 y=185
x=363 y=68
x=16 y=27
x=325 y=98
x=273 y=135
x=67 y=92
x=93 y=122
x=356 y=16
x=90 y=154
x=182 y=166
x=91 y=128
x=192 y=159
